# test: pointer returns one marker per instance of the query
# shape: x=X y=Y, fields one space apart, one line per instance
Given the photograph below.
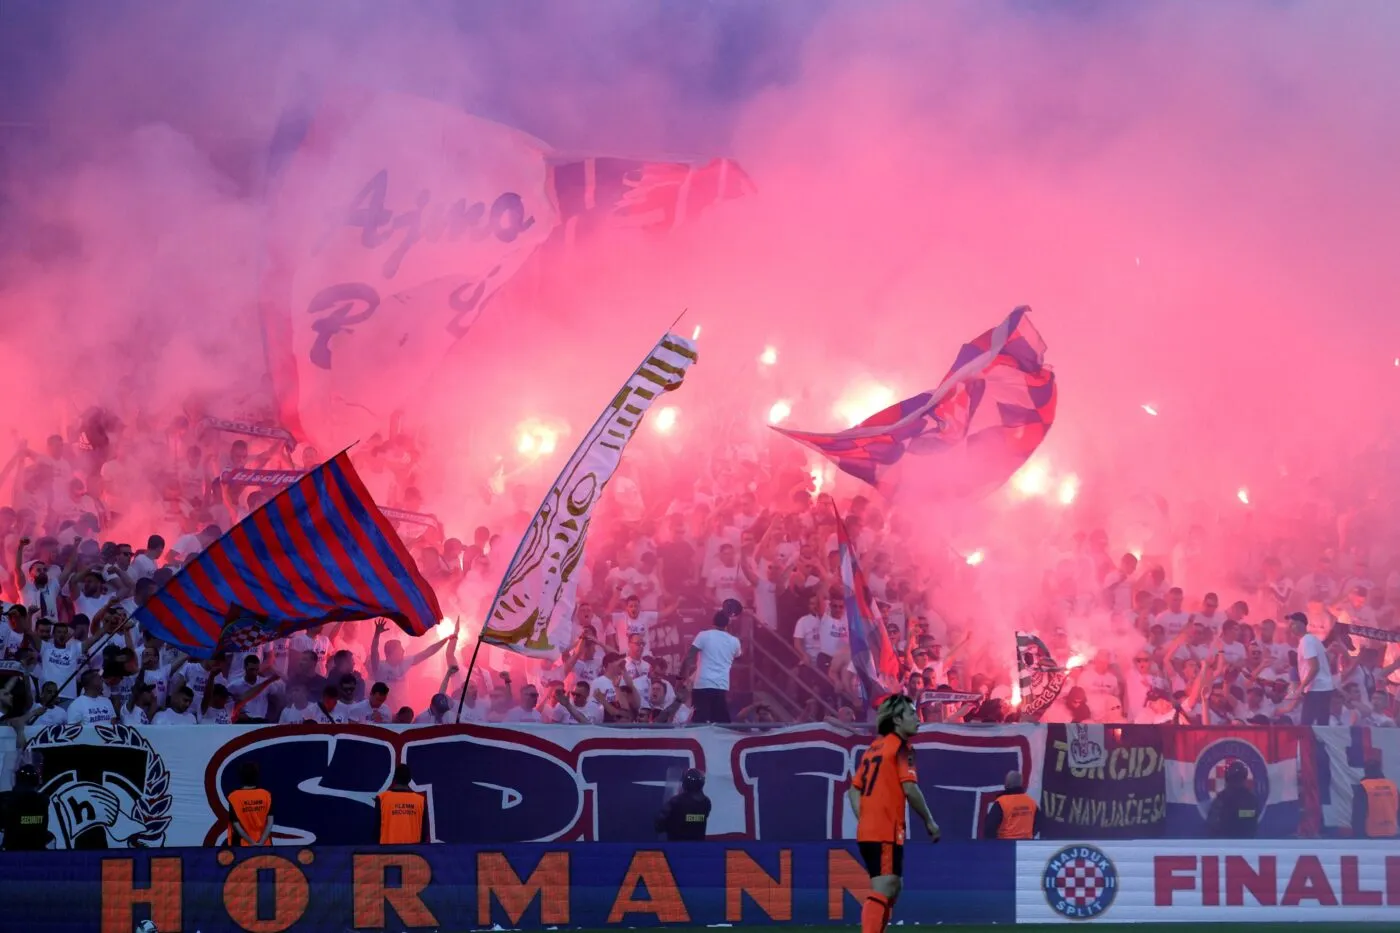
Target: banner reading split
x=540 y=574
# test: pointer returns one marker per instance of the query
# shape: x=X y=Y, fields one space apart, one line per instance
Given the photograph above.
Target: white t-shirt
x=1172 y=622
x=718 y=649
x=218 y=716
x=89 y=606
x=606 y=687
x=519 y=714
x=141 y=567
x=53 y=716
x=197 y=679
x=1234 y=653
x=626 y=627
x=1277 y=653
x=1310 y=646
x=645 y=586
x=724 y=581
x=765 y=602
x=159 y=679
x=809 y=632
x=302 y=642
x=833 y=635
x=168 y=717
x=363 y=712
x=307 y=713
x=29 y=596
x=589 y=669
x=448 y=718
x=86 y=709
x=1102 y=693
x=10 y=642
x=58 y=664
x=1119 y=591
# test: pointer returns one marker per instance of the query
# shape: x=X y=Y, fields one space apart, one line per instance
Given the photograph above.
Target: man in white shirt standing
x=92 y=706
x=1314 y=673
x=143 y=565
x=715 y=650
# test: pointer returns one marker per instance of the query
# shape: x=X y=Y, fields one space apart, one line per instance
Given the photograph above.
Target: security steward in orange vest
x=1014 y=814
x=249 y=811
x=402 y=812
x=1377 y=802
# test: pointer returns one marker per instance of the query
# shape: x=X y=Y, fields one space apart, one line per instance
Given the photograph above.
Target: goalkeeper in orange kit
x=885 y=782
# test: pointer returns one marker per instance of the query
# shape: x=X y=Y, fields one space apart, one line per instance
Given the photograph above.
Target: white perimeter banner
x=1209 y=881
x=115 y=786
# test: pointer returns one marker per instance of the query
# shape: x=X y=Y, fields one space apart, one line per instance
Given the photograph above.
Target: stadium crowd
x=1205 y=626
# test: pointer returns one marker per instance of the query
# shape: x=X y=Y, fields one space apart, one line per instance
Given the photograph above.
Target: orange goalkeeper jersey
x=880 y=778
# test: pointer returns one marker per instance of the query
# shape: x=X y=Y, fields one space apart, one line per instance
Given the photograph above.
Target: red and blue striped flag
x=319 y=551
x=970 y=434
x=871 y=651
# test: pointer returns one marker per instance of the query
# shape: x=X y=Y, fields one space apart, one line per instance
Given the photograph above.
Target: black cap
x=693 y=779
x=27 y=775
x=1236 y=772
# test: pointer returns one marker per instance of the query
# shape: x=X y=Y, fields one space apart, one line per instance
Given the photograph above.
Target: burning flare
x=779 y=412
x=1033 y=479
x=665 y=421
x=769 y=356
x=861 y=401
x=534 y=439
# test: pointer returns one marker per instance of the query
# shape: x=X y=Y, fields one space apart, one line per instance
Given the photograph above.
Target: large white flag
x=540 y=574
x=391 y=221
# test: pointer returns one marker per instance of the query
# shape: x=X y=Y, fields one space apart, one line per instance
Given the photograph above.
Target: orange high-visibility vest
x=401 y=817
x=1382 y=807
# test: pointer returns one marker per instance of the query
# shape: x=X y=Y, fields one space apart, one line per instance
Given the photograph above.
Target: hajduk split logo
x=1209 y=777
x=1080 y=882
x=111 y=793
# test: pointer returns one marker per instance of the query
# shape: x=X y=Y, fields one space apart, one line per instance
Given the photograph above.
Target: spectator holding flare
x=394 y=667
x=884 y=785
x=249 y=811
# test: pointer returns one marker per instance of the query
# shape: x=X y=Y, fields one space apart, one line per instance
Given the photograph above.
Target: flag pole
x=471 y=665
x=862 y=675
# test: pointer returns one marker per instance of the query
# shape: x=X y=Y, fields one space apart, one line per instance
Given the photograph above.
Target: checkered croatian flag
x=970 y=434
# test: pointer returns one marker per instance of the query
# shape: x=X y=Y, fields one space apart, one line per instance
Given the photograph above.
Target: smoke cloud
x=1196 y=199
